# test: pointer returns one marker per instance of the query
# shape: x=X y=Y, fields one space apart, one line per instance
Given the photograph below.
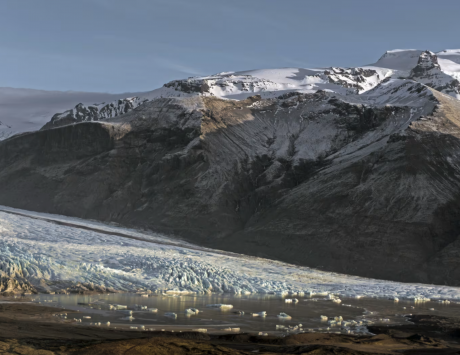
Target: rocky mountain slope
x=96 y=112
x=351 y=170
x=26 y=110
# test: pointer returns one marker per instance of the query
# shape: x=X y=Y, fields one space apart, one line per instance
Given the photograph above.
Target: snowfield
x=57 y=250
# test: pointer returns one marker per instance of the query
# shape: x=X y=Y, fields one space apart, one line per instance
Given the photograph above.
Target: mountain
x=354 y=170
x=25 y=110
x=94 y=112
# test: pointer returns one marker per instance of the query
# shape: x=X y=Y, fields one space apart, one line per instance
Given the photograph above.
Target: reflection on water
x=307 y=311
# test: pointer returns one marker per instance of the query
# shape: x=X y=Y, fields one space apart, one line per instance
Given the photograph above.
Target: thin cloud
x=179 y=67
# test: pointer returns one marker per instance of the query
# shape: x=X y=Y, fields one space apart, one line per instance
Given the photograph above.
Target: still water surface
x=306 y=312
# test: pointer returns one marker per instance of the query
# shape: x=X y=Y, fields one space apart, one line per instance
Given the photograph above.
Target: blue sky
x=138 y=45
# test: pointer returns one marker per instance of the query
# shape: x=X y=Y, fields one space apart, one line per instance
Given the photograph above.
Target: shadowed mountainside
x=341 y=183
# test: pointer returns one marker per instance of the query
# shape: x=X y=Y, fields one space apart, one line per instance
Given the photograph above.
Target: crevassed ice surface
x=34 y=247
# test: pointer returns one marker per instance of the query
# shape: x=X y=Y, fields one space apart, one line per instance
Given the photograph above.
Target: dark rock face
x=189 y=86
x=351 y=77
x=426 y=62
x=82 y=113
x=428 y=72
x=315 y=179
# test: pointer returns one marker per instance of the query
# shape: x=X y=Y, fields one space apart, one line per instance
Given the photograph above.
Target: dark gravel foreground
x=31 y=329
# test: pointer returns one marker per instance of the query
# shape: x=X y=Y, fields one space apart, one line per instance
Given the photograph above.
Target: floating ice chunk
x=132 y=327
x=283 y=315
x=235 y=329
x=142 y=327
x=333 y=298
x=241 y=313
x=138 y=306
x=192 y=311
x=87 y=317
x=263 y=334
x=220 y=305
x=324 y=318
x=107 y=324
x=120 y=306
x=200 y=330
x=280 y=327
x=396 y=299
x=431 y=309
x=421 y=299
x=259 y=314
x=153 y=310
x=289 y=300
x=170 y=314
x=144 y=295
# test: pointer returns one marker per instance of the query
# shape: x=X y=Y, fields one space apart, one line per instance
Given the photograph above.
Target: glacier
x=64 y=254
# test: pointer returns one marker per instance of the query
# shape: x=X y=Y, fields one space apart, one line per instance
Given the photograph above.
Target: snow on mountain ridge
x=94 y=112
x=268 y=83
x=429 y=72
x=26 y=110
x=451 y=54
x=399 y=59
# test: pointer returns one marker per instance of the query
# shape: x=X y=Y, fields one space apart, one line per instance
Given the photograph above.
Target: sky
x=119 y=46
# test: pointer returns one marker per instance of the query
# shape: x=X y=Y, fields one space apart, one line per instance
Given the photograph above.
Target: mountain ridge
x=364 y=183
x=268 y=83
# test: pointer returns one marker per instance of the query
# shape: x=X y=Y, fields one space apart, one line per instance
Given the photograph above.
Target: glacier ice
x=55 y=256
x=283 y=315
x=219 y=305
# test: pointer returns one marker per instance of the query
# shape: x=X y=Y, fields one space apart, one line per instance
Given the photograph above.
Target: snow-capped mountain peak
x=440 y=71
x=426 y=61
x=94 y=112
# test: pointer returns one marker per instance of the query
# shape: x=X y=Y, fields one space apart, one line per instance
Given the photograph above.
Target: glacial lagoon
x=356 y=314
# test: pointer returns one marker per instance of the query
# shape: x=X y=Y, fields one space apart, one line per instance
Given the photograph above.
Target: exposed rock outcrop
x=96 y=112
x=429 y=72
